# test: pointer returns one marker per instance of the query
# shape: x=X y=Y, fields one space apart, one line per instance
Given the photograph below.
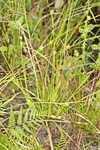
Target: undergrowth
x=49 y=74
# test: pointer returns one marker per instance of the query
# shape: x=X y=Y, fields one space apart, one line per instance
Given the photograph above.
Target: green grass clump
x=45 y=73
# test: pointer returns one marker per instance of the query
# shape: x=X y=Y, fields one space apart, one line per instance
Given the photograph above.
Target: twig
x=50 y=136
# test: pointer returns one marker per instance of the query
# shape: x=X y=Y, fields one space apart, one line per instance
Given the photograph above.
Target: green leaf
x=59 y=4
x=20 y=20
x=90 y=27
x=94 y=46
x=27 y=128
x=20 y=116
x=5 y=144
x=11 y=122
x=3 y=49
x=28 y=5
x=67 y=74
x=11 y=48
x=26 y=115
x=18 y=133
